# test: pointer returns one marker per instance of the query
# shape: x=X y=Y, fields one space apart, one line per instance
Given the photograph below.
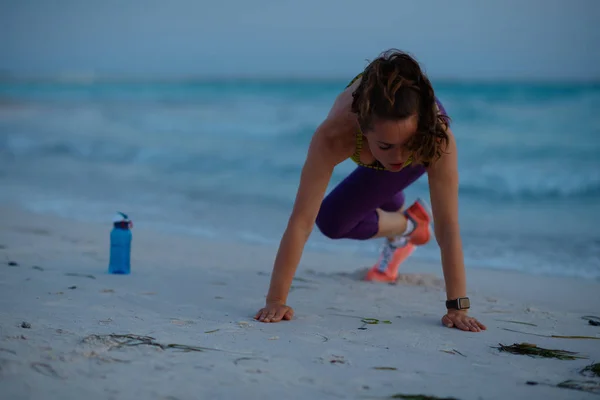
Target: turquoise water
x=221 y=159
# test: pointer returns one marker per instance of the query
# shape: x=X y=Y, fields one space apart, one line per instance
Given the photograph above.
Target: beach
x=195 y=120
x=58 y=306
x=222 y=159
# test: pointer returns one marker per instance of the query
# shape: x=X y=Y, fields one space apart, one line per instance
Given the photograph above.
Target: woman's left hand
x=459 y=319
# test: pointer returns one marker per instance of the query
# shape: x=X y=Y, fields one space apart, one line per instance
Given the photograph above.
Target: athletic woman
x=389 y=122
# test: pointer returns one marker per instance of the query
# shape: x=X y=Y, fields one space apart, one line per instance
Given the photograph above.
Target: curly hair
x=393 y=86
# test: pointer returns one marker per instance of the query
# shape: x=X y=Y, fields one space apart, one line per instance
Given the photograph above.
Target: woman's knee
x=335 y=225
x=330 y=224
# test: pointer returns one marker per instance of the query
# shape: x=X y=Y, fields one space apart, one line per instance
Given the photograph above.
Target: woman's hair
x=393 y=87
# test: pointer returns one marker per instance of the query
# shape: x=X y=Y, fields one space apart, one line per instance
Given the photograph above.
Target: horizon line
x=92 y=78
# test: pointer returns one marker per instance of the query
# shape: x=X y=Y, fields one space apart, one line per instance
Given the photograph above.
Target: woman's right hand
x=274 y=312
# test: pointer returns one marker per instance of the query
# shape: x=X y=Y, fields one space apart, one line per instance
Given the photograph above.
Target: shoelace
x=388 y=251
x=386 y=255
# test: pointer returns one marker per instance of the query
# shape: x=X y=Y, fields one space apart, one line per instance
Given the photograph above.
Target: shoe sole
x=429 y=213
x=382 y=276
x=426 y=206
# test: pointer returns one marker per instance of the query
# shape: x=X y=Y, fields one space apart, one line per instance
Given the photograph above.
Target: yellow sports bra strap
x=358 y=147
x=354 y=80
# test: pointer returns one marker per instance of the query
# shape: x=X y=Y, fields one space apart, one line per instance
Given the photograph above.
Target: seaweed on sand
x=533 y=350
x=591 y=370
x=592 y=320
x=419 y=397
x=115 y=341
x=584 y=386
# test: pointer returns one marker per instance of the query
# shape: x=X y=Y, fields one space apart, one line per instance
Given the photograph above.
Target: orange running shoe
x=420 y=216
x=386 y=268
x=395 y=253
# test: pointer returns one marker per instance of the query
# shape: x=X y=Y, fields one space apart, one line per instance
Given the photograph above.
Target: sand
x=196 y=292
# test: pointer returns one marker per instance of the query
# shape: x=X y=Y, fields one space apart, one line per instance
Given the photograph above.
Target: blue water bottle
x=120 y=245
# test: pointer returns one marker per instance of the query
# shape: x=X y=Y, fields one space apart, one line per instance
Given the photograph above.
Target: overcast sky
x=452 y=38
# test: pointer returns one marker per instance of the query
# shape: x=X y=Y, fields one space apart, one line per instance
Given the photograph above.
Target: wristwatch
x=462 y=303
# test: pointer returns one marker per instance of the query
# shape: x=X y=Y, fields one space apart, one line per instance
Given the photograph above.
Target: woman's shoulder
x=341 y=122
x=336 y=134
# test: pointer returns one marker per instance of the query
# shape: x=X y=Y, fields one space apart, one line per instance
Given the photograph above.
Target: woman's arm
x=314 y=179
x=326 y=150
x=443 y=188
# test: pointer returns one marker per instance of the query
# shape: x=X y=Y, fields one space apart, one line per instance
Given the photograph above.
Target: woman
x=390 y=123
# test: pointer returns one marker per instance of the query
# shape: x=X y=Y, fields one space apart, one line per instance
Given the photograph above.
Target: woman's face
x=388 y=138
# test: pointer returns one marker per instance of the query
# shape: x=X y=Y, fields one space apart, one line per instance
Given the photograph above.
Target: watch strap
x=461 y=303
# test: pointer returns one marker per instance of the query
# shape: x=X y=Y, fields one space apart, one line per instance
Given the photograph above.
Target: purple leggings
x=348 y=211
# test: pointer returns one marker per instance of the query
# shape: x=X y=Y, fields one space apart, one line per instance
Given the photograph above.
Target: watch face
x=464 y=303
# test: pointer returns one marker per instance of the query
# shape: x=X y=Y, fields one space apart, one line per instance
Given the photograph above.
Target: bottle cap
x=123 y=220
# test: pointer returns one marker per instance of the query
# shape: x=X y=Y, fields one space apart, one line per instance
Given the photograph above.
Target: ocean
x=221 y=160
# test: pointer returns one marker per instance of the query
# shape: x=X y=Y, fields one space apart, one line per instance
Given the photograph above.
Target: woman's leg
x=349 y=211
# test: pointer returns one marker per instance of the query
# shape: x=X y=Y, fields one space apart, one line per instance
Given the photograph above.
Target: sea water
x=222 y=159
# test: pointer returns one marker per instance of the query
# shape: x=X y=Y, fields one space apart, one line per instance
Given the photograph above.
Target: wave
x=252 y=137
x=533 y=192
x=531 y=182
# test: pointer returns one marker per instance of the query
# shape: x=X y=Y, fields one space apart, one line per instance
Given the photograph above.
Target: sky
x=459 y=39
